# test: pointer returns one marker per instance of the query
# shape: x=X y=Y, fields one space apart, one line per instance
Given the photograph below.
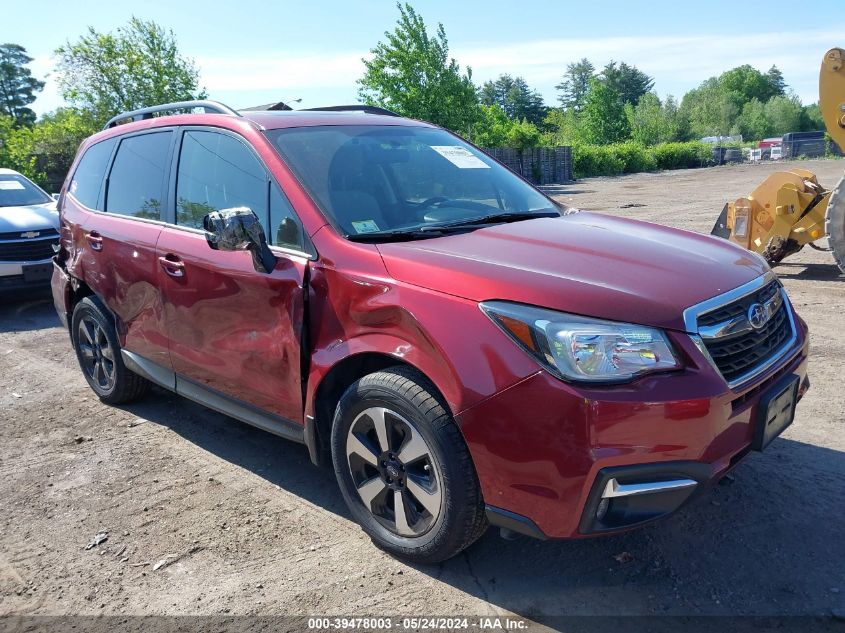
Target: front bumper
x=546 y=450
x=12 y=276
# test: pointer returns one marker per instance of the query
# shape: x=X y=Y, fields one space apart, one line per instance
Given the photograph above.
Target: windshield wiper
x=398 y=235
x=494 y=218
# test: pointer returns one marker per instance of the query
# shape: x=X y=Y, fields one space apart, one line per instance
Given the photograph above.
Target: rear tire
x=835 y=223
x=98 y=352
x=395 y=445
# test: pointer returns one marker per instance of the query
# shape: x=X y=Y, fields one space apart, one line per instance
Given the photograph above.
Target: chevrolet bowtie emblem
x=30 y=234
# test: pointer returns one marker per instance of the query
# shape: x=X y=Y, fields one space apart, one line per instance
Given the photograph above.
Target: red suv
x=467 y=351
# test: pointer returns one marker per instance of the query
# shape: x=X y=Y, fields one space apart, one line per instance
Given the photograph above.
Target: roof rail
x=354 y=108
x=147 y=113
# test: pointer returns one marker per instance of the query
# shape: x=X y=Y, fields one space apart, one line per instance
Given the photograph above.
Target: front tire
x=98 y=352
x=404 y=469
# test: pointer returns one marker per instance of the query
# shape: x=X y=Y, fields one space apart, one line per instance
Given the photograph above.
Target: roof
x=9 y=172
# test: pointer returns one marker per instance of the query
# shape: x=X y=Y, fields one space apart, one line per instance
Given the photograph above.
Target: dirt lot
x=246 y=525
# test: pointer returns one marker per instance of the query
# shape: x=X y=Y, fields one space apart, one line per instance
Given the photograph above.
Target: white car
x=29 y=228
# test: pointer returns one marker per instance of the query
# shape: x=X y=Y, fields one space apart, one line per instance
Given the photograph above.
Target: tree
x=811 y=118
x=576 y=84
x=752 y=122
x=630 y=82
x=776 y=82
x=748 y=83
x=515 y=97
x=17 y=85
x=412 y=74
x=603 y=118
x=491 y=128
x=653 y=122
x=710 y=110
x=783 y=114
x=45 y=151
x=138 y=66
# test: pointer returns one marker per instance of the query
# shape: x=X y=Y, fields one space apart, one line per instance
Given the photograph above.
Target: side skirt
x=213 y=399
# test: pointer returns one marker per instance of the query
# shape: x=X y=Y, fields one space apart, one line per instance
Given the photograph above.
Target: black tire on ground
x=408 y=399
x=119 y=385
x=835 y=223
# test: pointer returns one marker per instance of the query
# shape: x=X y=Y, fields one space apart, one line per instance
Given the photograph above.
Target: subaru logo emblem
x=30 y=234
x=758 y=315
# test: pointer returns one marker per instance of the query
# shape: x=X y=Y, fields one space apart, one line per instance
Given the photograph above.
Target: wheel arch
x=331 y=383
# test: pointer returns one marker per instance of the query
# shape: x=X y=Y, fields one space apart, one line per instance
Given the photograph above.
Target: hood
x=584 y=263
x=29 y=218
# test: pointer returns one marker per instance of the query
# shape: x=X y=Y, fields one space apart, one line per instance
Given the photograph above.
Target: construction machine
x=790 y=209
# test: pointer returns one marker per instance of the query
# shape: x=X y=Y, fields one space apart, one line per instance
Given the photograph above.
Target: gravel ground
x=208 y=516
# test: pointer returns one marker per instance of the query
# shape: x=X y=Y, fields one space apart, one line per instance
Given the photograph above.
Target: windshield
x=374 y=179
x=17 y=191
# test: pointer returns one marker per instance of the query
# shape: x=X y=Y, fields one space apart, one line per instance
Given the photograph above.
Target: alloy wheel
x=96 y=353
x=394 y=471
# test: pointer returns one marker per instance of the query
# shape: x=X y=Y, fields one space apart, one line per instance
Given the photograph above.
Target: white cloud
x=678 y=63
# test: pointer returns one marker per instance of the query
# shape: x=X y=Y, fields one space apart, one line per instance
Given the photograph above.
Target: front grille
x=17 y=235
x=740 y=354
x=32 y=250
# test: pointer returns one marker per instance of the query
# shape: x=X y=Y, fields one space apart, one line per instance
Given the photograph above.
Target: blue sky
x=254 y=53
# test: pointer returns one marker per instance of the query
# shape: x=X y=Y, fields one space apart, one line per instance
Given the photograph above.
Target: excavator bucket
x=720 y=229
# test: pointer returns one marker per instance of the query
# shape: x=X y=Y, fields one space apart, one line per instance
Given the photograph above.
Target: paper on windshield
x=10 y=184
x=460 y=157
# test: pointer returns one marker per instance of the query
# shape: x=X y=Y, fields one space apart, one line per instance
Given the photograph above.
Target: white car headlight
x=579 y=348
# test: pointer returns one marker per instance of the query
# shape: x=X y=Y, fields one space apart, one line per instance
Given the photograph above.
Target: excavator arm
x=789 y=210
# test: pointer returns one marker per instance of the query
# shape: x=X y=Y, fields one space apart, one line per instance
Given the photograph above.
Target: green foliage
x=491 y=128
x=515 y=97
x=630 y=82
x=561 y=127
x=135 y=67
x=45 y=151
x=811 y=118
x=412 y=74
x=654 y=122
x=495 y=129
x=523 y=135
x=783 y=114
x=603 y=118
x=682 y=155
x=17 y=85
x=630 y=157
x=710 y=110
x=595 y=160
x=752 y=123
x=749 y=83
x=575 y=84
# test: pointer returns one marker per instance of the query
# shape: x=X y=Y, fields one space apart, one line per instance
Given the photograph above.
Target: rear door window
x=137 y=178
x=87 y=180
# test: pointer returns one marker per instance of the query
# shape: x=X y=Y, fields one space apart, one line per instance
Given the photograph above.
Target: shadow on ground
x=27 y=310
x=767 y=542
x=810 y=272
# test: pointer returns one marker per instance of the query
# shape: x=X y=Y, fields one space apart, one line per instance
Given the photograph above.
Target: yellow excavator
x=790 y=209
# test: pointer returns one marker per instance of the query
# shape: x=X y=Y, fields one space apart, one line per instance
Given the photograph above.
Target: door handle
x=172 y=265
x=95 y=240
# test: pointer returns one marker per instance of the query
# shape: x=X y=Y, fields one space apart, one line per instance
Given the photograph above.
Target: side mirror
x=238 y=229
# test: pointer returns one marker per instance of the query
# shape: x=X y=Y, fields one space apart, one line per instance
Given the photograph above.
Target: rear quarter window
x=87 y=180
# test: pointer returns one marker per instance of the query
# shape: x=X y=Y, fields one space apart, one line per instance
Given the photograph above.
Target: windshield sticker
x=10 y=184
x=365 y=226
x=460 y=157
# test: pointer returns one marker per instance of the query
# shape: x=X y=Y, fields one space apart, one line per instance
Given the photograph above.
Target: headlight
x=583 y=349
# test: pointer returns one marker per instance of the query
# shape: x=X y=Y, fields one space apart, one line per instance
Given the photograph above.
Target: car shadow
x=764 y=542
x=27 y=310
x=810 y=272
